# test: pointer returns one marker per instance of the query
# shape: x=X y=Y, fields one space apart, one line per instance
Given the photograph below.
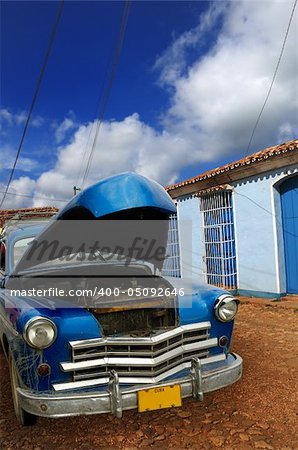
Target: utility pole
x=75 y=190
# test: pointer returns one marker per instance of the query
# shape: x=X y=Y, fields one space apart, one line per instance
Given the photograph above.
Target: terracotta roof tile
x=248 y=160
x=28 y=213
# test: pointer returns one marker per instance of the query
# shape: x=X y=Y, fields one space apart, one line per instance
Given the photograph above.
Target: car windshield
x=72 y=259
x=82 y=259
x=63 y=244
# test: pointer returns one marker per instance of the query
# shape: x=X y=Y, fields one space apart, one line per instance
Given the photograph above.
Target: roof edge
x=276 y=151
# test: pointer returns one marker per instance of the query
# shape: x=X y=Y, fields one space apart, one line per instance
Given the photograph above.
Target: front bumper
x=115 y=401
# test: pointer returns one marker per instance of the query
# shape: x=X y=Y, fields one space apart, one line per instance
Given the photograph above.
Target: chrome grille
x=139 y=359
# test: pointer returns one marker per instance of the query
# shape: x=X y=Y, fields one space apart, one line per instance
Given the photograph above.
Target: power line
x=36 y=92
x=17 y=194
x=109 y=83
x=92 y=127
x=267 y=211
x=273 y=79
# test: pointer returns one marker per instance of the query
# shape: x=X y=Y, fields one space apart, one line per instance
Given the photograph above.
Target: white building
x=244 y=219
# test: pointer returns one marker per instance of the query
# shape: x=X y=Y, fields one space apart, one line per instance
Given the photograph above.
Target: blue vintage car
x=69 y=360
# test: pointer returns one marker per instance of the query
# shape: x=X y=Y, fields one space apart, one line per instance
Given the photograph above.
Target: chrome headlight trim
x=35 y=322
x=221 y=301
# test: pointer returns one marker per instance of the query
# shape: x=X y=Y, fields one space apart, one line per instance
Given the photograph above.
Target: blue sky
x=82 y=52
x=190 y=83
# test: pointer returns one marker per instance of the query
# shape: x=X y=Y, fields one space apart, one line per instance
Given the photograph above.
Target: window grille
x=219 y=260
x=171 y=266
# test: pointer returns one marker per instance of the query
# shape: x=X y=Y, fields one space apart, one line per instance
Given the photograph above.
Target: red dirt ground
x=258 y=412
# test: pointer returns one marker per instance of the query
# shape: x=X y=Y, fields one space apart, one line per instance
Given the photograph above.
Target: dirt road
x=258 y=412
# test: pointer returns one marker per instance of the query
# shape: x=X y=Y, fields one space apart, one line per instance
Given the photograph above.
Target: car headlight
x=225 y=308
x=40 y=332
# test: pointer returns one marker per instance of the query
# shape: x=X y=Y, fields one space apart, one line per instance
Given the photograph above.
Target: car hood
x=123 y=197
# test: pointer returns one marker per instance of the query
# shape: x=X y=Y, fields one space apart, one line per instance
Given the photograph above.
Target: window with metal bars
x=219 y=260
x=171 y=266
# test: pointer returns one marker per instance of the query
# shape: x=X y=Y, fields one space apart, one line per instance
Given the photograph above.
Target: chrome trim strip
x=139 y=362
x=149 y=372
x=80 y=384
x=136 y=380
x=122 y=340
x=147 y=351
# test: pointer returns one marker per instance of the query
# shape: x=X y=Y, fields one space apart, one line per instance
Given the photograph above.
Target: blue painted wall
x=258 y=230
x=259 y=233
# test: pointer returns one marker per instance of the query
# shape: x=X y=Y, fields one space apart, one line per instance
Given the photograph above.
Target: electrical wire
x=90 y=133
x=17 y=194
x=273 y=79
x=35 y=95
x=109 y=84
x=268 y=212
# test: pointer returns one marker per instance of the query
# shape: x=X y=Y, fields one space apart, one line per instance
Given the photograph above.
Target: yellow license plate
x=159 y=397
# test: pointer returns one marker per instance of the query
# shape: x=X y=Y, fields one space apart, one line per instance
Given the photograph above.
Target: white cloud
x=8 y=156
x=20 y=118
x=23 y=185
x=37 y=121
x=285 y=132
x=66 y=125
x=5 y=116
x=125 y=145
x=219 y=98
x=10 y=119
x=174 y=61
x=215 y=101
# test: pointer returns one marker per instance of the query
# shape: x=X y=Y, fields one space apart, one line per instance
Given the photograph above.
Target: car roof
x=22 y=228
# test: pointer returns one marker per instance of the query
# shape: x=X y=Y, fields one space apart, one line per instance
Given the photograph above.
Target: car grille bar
x=139 y=359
